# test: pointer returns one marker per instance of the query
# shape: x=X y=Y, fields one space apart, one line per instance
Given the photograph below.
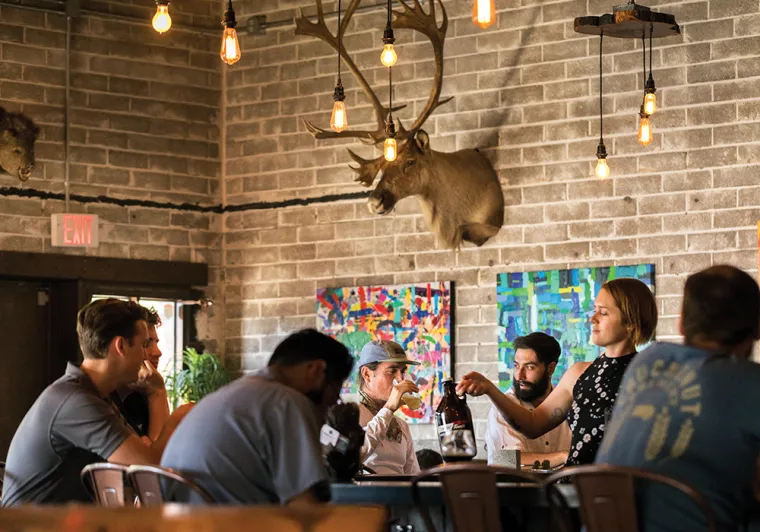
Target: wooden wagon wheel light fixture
x=629 y=21
x=339 y=120
x=161 y=20
x=230 y=52
x=388 y=57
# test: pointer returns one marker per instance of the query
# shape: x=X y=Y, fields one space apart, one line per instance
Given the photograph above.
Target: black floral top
x=594 y=395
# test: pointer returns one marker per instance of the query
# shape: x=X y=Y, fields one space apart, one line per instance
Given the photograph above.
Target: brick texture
x=144 y=125
x=148 y=110
x=527 y=89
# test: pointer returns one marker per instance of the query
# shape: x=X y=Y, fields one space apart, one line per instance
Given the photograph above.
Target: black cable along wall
x=188 y=207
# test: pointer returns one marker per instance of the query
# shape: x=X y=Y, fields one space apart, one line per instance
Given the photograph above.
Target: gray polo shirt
x=69 y=426
x=253 y=441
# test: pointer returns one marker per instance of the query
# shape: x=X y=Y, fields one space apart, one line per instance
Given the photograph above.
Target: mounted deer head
x=459 y=192
x=17 y=137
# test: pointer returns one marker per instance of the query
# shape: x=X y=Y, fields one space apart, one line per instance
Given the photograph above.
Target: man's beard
x=534 y=389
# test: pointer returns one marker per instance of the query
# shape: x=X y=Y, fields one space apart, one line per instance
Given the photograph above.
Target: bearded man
x=536 y=357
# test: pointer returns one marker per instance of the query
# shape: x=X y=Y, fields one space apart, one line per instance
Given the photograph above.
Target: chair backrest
x=470 y=494
x=105 y=482
x=607 y=495
x=147 y=481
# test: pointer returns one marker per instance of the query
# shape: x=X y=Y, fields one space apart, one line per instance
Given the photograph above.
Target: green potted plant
x=201 y=374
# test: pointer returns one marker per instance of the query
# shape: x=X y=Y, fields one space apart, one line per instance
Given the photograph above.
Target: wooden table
x=177 y=518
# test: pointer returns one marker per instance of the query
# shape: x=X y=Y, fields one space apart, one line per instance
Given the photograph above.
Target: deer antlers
x=416 y=19
x=413 y=18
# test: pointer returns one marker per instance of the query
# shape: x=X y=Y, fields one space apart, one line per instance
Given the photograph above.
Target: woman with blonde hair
x=625 y=316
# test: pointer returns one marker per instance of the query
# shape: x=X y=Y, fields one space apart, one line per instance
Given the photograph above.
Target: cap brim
x=404 y=360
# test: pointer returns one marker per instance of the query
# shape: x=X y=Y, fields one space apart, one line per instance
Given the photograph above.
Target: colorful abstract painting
x=558 y=303
x=417 y=316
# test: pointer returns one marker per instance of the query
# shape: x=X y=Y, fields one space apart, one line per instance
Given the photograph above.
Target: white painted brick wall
x=527 y=91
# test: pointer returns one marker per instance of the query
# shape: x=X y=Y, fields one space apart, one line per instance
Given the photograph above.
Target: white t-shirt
x=384 y=456
x=502 y=435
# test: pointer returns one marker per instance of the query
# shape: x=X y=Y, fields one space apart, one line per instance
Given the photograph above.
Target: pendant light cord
x=644 y=57
x=651 y=31
x=390 y=76
x=339 y=42
x=390 y=95
x=601 y=113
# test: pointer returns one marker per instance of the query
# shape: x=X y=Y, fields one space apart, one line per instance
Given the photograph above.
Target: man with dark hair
x=535 y=360
x=685 y=411
x=256 y=440
x=73 y=423
x=145 y=403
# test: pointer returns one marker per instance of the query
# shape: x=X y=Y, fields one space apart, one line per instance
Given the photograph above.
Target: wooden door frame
x=73 y=279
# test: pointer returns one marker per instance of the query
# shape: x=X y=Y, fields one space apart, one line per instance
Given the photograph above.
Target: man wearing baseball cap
x=388 y=448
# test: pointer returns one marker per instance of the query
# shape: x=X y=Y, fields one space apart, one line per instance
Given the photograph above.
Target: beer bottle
x=454 y=423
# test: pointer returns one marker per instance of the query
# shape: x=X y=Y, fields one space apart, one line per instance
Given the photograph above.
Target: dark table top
x=399 y=493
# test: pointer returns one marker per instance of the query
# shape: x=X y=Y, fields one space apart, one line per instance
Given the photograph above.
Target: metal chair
x=470 y=494
x=106 y=483
x=607 y=497
x=147 y=482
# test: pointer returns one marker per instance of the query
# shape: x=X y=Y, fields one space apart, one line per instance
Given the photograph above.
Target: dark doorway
x=40 y=295
x=25 y=352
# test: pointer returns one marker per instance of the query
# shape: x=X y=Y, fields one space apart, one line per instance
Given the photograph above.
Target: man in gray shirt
x=73 y=423
x=256 y=440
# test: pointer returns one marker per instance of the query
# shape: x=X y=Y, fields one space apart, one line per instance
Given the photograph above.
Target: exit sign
x=74 y=230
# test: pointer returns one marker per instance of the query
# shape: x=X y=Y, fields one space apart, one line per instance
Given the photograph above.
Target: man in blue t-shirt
x=689 y=411
x=256 y=440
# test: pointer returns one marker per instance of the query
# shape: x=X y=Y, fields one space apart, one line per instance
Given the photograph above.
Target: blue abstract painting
x=558 y=303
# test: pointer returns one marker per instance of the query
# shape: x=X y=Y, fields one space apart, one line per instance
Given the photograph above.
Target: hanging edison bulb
x=230 y=52
x=650 y=103
x=339 y=120
x=390 y=150
x=645 y=135
x=483 y=13
x=602 y=168
x=161 y=20
x=650 y=100
x=388 y=57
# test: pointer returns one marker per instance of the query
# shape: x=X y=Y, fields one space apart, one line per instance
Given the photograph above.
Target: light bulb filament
x=645 y=130
x=339 y=120
x=650 y=103
x=388 y=57
x=390 y=149
x=602 y=168
x=161 y=20
x=230 y=52
x=483 y=13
